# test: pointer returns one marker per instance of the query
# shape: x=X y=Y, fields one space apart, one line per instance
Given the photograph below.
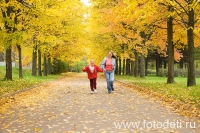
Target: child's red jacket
x=90 y=74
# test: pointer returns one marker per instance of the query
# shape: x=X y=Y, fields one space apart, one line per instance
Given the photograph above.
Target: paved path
x=66 y=106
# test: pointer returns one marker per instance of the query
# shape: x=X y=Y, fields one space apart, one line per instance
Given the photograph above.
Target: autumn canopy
x=44 y=32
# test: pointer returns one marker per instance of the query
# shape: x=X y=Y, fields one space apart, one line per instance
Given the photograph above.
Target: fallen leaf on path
x=36 y=129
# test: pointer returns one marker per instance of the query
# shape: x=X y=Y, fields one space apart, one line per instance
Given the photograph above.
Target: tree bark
x=45 y=65
x=8 y=64
x=34 y=61
x=127 y=66
x=132 y=68
x=49 y=66
x=191 y=81
x=142 y=66
x=170 y=77
x=165 y=64
x=20 y=61
x=116 y=70
x=136 y=65
x=146 y=67
x=157 y=63
x=2 y=58
x=39 y=63
x=181 y=64
x=160 y=62
x=120 y=66
x=55 y=68
x=6 y=14
x=123 y=71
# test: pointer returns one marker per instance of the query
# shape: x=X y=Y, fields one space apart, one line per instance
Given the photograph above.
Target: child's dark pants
x=93 y=84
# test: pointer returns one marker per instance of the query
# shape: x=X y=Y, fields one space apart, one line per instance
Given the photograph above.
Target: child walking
x=91 y=71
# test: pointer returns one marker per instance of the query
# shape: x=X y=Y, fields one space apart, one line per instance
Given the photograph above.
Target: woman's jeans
x=110 y=80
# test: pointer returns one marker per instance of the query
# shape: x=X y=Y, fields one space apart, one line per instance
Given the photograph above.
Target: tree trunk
x=197 y=64
x=49 y=66
x=191 y=81
x=127 y=66
x=132 y=68
x=170 y=77
x=2 y=58
x=146 y=67
x=142 y=66
x=8 y=64
x=55 y=66
x=160 y=62
x=123 y=71
x=45 y=65
x=181 y=64
x=20 y=61
x=120 y=66
x=34 y=61
x=157 y=63
x=165 y=64
x=6 y=15
x=136 y=65
x=116 y=70
x=39 y=63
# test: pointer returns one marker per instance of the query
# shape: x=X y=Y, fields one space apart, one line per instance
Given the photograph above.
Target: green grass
x=8 y=87
x=178 y=90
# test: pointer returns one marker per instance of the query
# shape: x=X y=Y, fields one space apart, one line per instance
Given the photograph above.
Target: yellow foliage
x=66 y=28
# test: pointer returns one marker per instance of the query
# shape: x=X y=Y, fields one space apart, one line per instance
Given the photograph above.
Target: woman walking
x=108 y=65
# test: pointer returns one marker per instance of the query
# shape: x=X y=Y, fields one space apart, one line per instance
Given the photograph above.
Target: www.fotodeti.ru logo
x=154 y=124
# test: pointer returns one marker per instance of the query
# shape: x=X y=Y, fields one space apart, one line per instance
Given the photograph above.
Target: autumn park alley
x=153 y=44
x=66 y=106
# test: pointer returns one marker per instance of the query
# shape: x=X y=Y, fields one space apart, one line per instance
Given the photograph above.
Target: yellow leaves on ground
x=36 y=129
x=27 y=99
x=69 y=107
x=182 y=108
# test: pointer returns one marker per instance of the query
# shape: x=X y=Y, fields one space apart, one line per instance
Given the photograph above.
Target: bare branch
x=181 y=7
x=25 y=4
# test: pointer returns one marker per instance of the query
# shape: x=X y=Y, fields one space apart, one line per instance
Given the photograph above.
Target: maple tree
x=124 y=21
x=54 y=28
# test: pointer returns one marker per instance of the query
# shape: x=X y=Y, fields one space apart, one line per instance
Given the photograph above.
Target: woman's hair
x=113 y=56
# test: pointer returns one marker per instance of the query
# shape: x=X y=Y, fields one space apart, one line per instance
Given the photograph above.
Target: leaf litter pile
x=65 y=105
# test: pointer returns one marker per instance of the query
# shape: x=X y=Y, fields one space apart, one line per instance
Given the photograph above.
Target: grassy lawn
x=178 y=90
x=7 y=87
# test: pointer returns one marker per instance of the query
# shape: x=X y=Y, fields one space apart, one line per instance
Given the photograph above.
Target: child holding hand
x=92 y=71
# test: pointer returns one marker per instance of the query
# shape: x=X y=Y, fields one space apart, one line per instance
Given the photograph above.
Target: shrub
x=162 y=72
x=197 y=73
x=151 y=72
x=177 y=72
x=62 y=67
